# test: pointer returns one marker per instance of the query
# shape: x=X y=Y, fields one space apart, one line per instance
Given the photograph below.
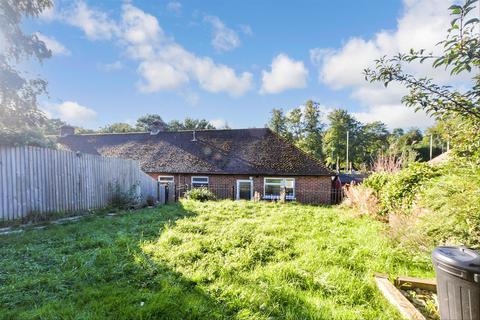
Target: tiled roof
x=241 y=151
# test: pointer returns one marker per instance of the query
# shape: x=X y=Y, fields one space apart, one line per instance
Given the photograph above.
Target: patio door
x=244 y=189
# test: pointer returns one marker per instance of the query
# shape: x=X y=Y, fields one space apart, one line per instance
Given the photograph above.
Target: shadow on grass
x=95 y=269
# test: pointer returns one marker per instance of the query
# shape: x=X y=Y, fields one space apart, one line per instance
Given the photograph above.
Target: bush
x=453 y=203
x=200 y=194
x=123 y=200
x=25 y=136
x=377 y=182
x=151 y=201
x=400 y=190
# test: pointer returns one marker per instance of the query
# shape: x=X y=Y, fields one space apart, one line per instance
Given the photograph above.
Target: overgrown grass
x=228 y=260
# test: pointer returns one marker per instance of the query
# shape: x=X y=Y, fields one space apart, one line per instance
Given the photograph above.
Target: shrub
x=25 y=136
x=453 y=203
x=377 y=182
x=123 y=200
x=150 y=201
x=399 y=192
x=200 y=194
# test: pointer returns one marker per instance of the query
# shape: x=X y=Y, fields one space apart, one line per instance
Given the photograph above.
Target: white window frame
x=282 y=184
x=170 y=177
x=238 y=188
x=200 y=177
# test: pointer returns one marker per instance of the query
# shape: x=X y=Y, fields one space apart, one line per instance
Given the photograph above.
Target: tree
x=374 y=140
x=197 y=124
x=118 y=127
x=460 y=54
x=19 y=113
x=440 y=135
x=411 y=137
x=335 y=139
x=190 y=124
x=278 y=123
x=149 y=121
x=52 y=127
x=311 y=142
x=295 y=124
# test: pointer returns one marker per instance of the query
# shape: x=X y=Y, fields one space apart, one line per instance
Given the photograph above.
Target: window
x=199 y=182
x=273 y=187
x=165 y=179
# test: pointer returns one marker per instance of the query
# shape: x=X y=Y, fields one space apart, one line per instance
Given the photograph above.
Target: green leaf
x=474 y=20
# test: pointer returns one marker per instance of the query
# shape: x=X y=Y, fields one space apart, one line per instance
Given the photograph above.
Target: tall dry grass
x=388 y=163
x=362 y=199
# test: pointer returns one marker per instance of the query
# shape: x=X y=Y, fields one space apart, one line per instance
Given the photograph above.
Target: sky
x=230 y=62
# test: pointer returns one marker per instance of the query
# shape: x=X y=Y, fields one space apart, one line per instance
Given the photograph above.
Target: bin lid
x=458 y=257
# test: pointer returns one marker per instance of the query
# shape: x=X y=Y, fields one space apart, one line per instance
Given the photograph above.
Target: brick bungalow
x=235 y=163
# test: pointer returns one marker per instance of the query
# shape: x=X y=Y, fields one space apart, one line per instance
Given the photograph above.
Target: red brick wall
x=308 y=189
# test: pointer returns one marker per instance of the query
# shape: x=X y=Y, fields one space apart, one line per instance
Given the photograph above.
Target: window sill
x=273 y=197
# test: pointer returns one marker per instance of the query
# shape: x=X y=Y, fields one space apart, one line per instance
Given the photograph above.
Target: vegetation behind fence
x=40 y=180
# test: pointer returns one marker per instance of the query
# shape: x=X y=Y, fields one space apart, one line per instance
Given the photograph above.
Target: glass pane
x=272 y=190
x=289 y=183
x=245 y=191
x=273 y=180
x=199 y=179
x=165 y=179
x=198 y=185
x=289 y=191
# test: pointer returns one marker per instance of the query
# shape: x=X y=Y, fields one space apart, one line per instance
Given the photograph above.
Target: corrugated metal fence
x=41 y=180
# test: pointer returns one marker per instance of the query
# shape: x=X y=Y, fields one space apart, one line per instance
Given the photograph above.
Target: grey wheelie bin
x=458 y=282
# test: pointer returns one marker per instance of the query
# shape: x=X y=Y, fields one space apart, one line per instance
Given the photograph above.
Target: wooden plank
x=23 y=182
x=409 y=282
x=47 y=183
x=3 y=184
x=395 y=297
x=46 y=180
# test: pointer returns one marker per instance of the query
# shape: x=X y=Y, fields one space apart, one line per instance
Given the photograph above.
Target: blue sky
x=229 y=61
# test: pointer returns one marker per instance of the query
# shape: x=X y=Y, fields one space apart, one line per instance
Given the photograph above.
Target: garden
x=205 y=260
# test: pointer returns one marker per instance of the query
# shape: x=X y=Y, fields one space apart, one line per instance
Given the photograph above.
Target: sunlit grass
x=239 y=260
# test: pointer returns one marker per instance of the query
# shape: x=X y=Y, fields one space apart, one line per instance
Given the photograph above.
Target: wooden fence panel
x=41 y=180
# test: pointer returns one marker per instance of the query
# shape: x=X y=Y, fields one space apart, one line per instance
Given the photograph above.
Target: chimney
x=194 y=137
x=67 y=131
x=156 y=128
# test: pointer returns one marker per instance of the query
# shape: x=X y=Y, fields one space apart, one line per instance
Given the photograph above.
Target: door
x=244 y=189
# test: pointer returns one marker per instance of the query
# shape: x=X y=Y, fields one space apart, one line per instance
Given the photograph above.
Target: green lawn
x=233 y=260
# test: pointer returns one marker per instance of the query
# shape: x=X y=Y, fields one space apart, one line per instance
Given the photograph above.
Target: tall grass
x=210 y=260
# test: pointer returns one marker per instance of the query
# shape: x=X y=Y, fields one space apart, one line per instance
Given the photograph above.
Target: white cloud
x=394 y=116
x=49 y=14
x=159 y=75
x=246 y=29
x=174 y=6
x=422 y=25
x=224 y=38
x=56 y=47
x=114 y=66
x=163 y=64
x=191 y=97
x=72 y=112
x=218 y=123
x=96 y=24
x=285 y=74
